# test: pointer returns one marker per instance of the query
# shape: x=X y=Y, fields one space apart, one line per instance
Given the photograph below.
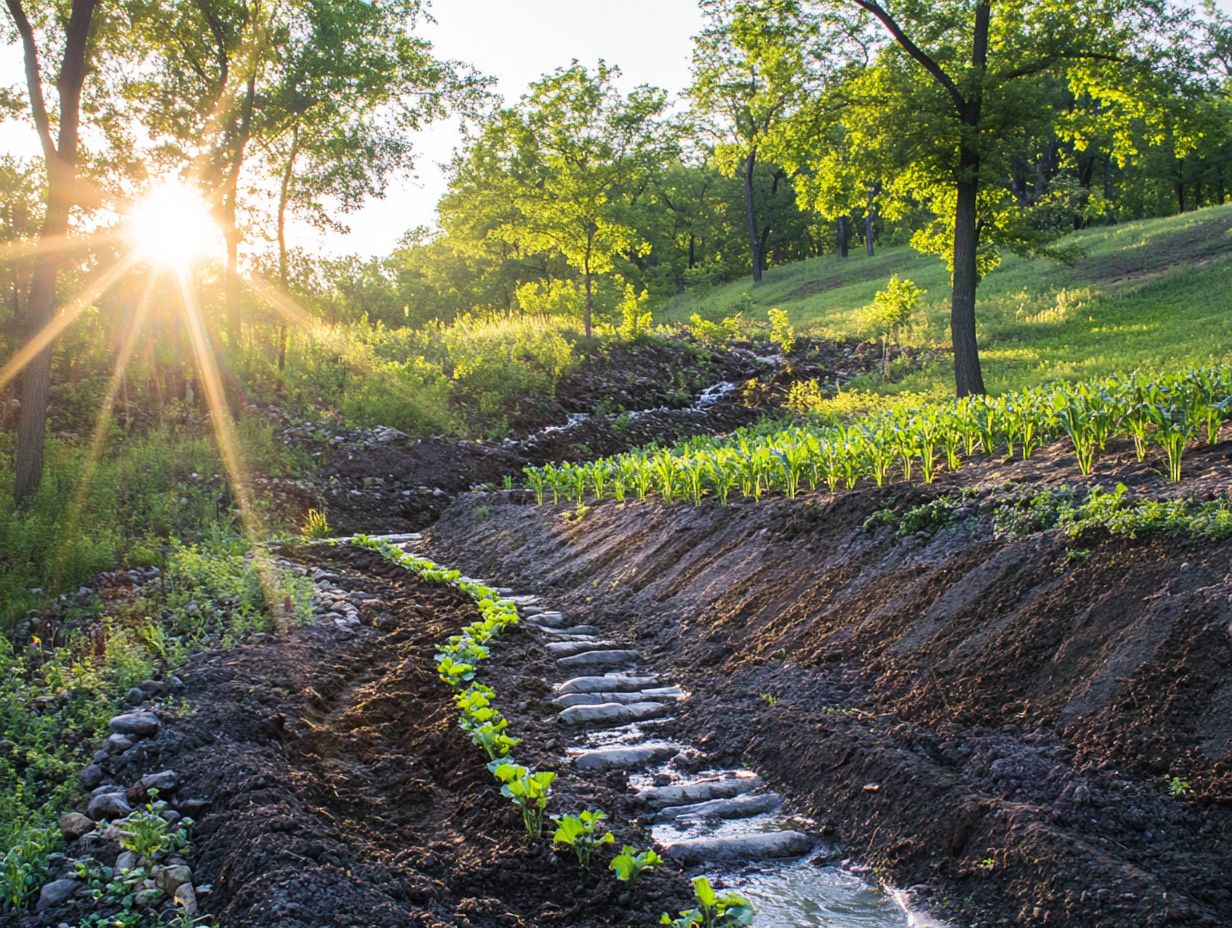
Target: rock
x=135 y=696
x=164 y=781
x=75 y=825
x=169 y=879
x=612 y=713
x=193 y=807
x=661 y=797
x=117 y=744
x=108 y=805
x=599 y=659
x=597 y=699
x=738 y=807
x=625 y=758
x=608 y=683
x=143 y=724
x=547 y=620
x=90 y=777
x=186 y=899
x=127 y=860
x=569 y=648
x=56 y=892
x=769 y=845
x=576 y=631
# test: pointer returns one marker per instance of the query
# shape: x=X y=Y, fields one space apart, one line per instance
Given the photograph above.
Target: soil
x=993 y=721
x=339 y=791
x=627 y=395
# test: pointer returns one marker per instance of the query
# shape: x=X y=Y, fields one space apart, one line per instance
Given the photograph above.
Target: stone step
x=581 y=646
x=606 y=683
x=598 y=699
x=577 y=631
x=770 y=845
x=528 y=611
x=547 y=620
x=597 y=660
x=525 y=599
x=628 y=757
x=737 y=807
x=661 y=797
x=613 y=713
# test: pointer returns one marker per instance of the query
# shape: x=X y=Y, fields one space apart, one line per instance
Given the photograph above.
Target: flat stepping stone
x=626 y=758
x=599 y=659
x=548 y=620
x=527 y=611
x=577 y=631
x=525 y=599
x=662 y=797
x=581 y=646
x=738 y=807
x=771 y=845
x=598 y=699
x=613 y=713
x=606 y=683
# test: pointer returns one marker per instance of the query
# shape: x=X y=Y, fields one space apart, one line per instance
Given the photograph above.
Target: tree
x=946 y=99
x=60 y=141
x=890 y=312
x=750 y=69
x=590 y=149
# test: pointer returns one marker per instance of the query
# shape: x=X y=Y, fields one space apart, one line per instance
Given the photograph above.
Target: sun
x=171 y=225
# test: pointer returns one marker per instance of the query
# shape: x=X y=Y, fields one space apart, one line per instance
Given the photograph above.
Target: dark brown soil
x=996 y=718
x=342 y=793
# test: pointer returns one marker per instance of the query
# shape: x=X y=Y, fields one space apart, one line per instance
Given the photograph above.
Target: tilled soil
x=342 y=793
x=996 y=719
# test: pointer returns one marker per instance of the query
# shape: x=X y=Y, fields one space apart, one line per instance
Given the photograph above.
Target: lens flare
x=171 y=226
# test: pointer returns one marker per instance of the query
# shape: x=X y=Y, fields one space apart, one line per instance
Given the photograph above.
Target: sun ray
x=228 y=444
x=95 y=288
x=283 y=304
x=12 y=251
x=94 y=453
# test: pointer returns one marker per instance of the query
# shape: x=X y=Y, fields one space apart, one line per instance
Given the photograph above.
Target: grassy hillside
x=1150 y=294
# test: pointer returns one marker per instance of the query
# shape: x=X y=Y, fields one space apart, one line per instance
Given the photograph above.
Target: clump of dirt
x=338 y=789
x=1035 y=727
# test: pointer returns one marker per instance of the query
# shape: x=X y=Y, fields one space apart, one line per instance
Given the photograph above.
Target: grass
x=1152 y=295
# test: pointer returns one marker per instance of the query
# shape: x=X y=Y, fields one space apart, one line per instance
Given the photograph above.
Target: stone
x=607 y=683
x=770 y=845
x=56 y=892
x=662 y=797
x=164 y=781
x=547 y=620
x=128 y=860
x=597 y=660
x=135 y=696
x=75 y=825
x=169 y=879
x=117 y=744
x=569 y=648
x=90 y=777
x=612 y=713
x=576 y=631
x=738 y=807
x=625 y=758
x=108 y=805
x=598 y=699
x=143 y=724
x=186 y=899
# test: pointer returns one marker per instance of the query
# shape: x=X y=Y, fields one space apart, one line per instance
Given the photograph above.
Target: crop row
x=1167 y=413
x=529 y=790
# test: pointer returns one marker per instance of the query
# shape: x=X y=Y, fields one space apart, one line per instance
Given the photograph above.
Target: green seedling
x=581 y=832
x=631 y=863
x=528 y=790
x=712 y=911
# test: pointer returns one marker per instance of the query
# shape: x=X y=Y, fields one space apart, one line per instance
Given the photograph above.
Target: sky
x=513 y=42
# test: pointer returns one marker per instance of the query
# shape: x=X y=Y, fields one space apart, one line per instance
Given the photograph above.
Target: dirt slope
x=997 y=718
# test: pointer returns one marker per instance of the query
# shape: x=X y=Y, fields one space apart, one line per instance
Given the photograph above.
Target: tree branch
x=1044 y=64
x=34 y=79
x=927 y=62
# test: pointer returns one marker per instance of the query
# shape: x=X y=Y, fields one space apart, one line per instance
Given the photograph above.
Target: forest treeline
x=966 y=128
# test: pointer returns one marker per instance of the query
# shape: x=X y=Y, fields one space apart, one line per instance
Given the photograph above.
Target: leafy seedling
x=528 y=790
x=630 y=863
x=581 y=832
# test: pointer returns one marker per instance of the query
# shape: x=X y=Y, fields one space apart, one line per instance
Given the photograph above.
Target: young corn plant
x=630 y=864
x=582 y=833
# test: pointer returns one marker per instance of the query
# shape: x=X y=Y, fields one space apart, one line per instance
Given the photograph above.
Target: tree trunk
x=870 y=218
x=284 y=276
x=844 y=236
x=590 y=300
x=968 y=378
x=61 y=163
x=231 y=230
x=750 y=216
